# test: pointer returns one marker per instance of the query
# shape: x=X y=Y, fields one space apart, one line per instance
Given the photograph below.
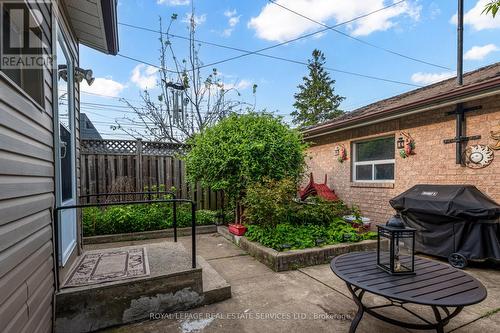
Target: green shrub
x=289 y=236
x=136 y=218
x=269 y=202
x=204 y=217
x=244 y=149
x=317 y=211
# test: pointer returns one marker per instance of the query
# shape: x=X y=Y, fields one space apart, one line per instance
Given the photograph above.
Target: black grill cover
x=451 y=218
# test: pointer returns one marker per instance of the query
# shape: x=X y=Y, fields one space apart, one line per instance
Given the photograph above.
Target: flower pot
x=362 y=222
x=237 y=229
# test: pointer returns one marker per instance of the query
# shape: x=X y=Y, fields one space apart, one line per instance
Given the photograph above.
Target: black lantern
x=396 y=247
x=336 y=151
x=401 y=143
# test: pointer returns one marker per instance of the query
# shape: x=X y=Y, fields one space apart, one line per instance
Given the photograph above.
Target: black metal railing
x=173 y=200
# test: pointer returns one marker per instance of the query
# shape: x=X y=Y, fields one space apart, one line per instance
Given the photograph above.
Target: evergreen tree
x=316 y=100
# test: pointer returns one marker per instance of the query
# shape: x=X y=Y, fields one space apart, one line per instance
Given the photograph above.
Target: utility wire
x=358 y=39
x=258 y=52
x=295 y=62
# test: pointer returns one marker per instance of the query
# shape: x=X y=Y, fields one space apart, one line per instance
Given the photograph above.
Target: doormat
x=109 y=265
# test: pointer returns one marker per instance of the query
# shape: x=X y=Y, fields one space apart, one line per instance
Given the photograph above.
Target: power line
x=358 y=39
x=258 y=52
x=105 y=96
x=372 y=77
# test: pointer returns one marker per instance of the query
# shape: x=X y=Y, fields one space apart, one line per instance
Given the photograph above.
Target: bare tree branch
x=174 y=116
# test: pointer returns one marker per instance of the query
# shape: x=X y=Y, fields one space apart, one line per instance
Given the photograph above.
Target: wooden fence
x=110 y=166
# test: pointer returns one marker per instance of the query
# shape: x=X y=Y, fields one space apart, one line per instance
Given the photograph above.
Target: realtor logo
x=22 y=44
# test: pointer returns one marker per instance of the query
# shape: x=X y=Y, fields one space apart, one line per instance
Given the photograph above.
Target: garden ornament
x=478 y=156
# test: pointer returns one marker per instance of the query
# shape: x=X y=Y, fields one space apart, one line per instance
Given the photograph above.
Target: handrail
x=135 y=202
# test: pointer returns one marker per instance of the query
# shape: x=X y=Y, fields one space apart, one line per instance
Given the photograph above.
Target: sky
x=410 y=44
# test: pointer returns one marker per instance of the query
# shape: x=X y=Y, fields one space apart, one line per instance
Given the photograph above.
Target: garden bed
x=153 y=219
x=133 y=236
x=294 y=259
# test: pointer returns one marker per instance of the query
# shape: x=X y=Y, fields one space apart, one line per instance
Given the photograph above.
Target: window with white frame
x=373 y=160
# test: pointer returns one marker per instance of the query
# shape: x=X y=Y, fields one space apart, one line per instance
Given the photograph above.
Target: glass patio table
x=445 y=289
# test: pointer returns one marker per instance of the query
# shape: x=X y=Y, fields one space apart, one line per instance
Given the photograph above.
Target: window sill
x=372 y=185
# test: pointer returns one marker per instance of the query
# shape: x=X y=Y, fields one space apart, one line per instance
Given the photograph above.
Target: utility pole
x=460 y=42
x=461 y=127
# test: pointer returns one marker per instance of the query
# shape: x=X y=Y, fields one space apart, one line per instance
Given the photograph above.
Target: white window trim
x=372 y=163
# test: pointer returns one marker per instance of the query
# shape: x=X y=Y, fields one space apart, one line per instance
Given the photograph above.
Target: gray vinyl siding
x=27 y=279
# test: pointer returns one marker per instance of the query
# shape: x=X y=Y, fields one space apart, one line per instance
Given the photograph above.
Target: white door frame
x=67 y=219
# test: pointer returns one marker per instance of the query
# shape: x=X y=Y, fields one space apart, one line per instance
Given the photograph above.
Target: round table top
x=434 y=283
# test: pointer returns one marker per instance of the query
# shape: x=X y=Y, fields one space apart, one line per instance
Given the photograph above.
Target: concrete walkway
x=309 y=300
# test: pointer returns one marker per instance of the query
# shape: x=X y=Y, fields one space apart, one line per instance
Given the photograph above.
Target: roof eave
x=110 y=25
x=463 y=94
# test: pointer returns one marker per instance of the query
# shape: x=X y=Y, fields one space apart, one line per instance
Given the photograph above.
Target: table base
x=438 y=325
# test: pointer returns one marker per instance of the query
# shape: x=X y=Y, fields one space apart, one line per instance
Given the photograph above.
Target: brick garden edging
x=294 y=259
x=200 y=229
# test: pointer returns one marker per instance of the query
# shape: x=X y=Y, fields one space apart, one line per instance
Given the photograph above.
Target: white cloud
x=277 y=24
x=144 y=76
x=103 y=86
x=227 y=32
x=173 y=2
x=476 y=19
x=233 y=20
x=198 y=20
x=480 y=52
x=230 y=13
x=428 y=78
x=434 y=10
x=239 y=85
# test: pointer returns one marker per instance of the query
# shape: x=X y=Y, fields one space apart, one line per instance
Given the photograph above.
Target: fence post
x=138 y=166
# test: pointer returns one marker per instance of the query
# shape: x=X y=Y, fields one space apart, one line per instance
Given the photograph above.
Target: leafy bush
x=271 y=202
x=290 y=236
x=136 y=218
x=244 y=149
x=317 y=211
x=268 y=203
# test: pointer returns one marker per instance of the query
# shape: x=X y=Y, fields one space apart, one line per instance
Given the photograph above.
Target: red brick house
x=374 y=171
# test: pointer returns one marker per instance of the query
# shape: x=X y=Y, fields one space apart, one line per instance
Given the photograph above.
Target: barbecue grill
x=458 y=222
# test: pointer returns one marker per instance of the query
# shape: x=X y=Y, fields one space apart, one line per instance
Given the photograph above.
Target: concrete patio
x=311 y=299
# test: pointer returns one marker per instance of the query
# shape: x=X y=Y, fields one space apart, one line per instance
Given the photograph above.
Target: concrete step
x=215 y=287
x=171 y=286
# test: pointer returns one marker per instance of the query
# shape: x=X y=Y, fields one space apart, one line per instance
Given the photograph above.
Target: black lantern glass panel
x=401 y=143
x=396 y=248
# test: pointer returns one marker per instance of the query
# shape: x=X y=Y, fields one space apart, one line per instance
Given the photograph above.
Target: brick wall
x=434 y=162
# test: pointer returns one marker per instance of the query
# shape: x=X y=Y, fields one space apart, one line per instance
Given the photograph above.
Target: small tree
x=243 y=149
x=492 y=7
x=316 y=100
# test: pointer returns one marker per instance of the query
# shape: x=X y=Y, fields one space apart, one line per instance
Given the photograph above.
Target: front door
x=65 y=148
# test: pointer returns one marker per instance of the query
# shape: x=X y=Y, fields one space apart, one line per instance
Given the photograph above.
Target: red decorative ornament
x=342 y=153
x=316 y=189
x=408 y=145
